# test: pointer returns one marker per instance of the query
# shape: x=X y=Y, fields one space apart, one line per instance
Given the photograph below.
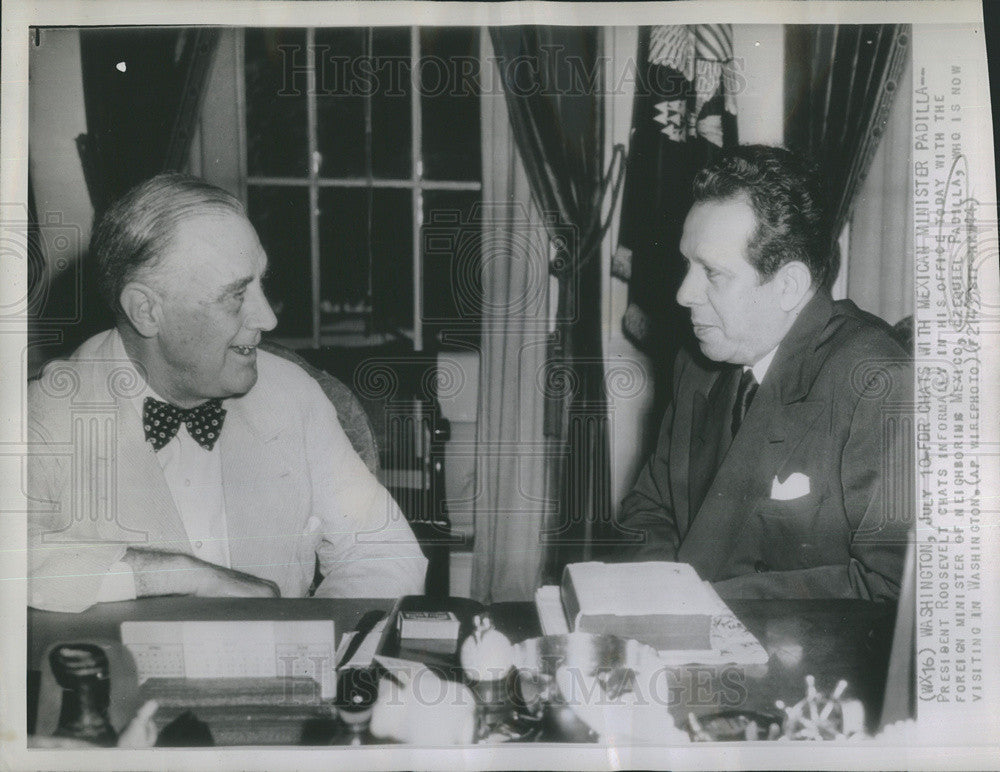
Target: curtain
x=142 y=93
x=511 y=502
x=551 y=79
x=838 y=94
x=880 y=255
x=683 y=112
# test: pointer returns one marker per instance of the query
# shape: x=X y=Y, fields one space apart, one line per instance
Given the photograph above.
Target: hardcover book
x=665 y=605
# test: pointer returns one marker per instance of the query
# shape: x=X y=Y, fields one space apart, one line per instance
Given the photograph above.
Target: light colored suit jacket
x=813 y=498
x=294 y=487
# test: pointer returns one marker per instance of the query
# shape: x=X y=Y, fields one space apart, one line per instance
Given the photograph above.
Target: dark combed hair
x=137 y=229
x=787 y=195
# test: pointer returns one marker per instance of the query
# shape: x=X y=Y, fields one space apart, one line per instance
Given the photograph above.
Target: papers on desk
x=234 y=649
x=731 y=643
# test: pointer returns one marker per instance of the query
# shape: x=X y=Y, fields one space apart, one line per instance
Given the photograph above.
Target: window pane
x=392 y=259
x=277 y=141
x=391 y=116
x=366 y=241
x=451 y=245
x=281 y=217
x=340 y=105
x=351 y=72
x=449 y=77
x=343 y=248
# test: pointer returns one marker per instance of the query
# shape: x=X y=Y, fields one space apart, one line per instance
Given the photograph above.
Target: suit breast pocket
x=789 y=532
x=795 y=509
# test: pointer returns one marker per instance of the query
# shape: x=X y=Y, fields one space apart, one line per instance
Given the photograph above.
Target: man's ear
x=794 y=283
x=141 y=304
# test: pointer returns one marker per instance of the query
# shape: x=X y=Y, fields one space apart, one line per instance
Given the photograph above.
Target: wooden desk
x=830 y=639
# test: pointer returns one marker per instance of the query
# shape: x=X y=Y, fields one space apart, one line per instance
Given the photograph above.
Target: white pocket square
x=796 y=486
x=313 y=524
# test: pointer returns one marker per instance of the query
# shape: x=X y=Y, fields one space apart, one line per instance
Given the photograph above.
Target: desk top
x=518 y=620
x=829 y=639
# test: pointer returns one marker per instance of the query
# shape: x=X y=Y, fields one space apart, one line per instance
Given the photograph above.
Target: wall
x=761 y=107
x=56 y=118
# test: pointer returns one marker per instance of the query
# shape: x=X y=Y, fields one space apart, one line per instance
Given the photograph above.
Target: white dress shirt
x=761 y=366
x=194 y=478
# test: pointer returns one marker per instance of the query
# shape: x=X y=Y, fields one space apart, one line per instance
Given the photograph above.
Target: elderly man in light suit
x=781 y=466
x=170 y=456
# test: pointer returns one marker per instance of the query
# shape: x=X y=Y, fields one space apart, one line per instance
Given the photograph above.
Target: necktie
x=744 y=396
x=161 y=420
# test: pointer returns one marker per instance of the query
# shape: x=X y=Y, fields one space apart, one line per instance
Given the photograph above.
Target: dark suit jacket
x=835 y=407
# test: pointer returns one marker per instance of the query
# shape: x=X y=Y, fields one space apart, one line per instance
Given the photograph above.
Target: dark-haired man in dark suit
x=780 y=466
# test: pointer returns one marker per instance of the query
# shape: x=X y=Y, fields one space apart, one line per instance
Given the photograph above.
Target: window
x=353 y=140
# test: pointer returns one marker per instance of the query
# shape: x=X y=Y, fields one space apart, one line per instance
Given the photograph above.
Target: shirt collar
x=760 y=367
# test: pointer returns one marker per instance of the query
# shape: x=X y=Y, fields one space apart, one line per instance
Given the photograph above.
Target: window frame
x=416 y=183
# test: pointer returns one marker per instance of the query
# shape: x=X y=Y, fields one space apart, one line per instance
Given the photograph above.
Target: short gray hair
x=138 y=228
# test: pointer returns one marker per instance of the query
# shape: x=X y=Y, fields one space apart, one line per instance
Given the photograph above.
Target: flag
x=684 y=113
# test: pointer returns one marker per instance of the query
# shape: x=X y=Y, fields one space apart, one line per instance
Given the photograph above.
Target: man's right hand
x=173 y=573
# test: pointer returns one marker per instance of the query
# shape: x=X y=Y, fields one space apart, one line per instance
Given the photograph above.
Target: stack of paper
x=234 y=649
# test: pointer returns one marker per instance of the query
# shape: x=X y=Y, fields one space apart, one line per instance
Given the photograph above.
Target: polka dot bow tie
x=161 y=421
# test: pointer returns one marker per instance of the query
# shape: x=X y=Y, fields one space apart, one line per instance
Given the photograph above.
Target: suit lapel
x=142 y=511
x=779 y=418
x=709 y=437
x=257 y=479
x=144 y=497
